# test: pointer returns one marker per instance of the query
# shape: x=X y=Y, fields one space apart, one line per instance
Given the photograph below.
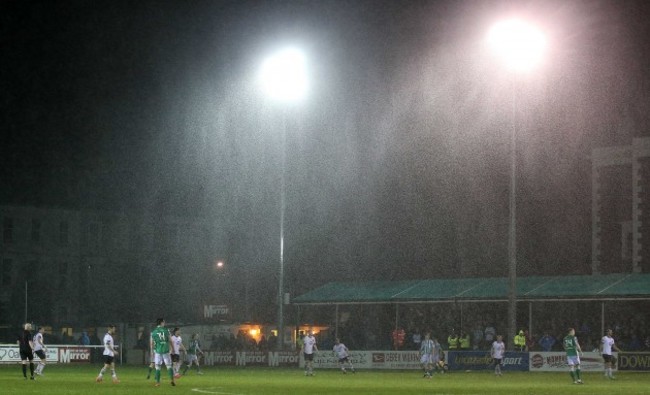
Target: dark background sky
x=397 y=161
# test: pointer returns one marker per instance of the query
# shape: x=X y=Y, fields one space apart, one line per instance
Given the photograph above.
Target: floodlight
x=284 y=75
x=520 y=44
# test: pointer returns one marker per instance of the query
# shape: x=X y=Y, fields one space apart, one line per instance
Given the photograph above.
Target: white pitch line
x=213 y=390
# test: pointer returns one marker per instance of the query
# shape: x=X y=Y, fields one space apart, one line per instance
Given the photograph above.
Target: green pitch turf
x=79 y=379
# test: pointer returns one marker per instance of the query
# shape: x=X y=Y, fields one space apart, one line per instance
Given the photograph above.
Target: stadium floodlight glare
x=520 y=44
x=283 y=75
x=283 y=78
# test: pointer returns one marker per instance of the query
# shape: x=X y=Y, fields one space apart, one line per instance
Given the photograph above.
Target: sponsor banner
x=74 y=354
x=322 y=359
x=557 y=362
x=215 y=311
x=637 y=361
x=284 y=358
x=369 y=360
x=394 y=360
x=11 y=354
x=51 y=354
x=251 y=358
x=482 y=360
x=329 y=360
x=221 y=358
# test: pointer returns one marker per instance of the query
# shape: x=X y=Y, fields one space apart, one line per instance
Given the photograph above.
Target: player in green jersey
x=193 y=352
x=160 y=343
x=573 y=352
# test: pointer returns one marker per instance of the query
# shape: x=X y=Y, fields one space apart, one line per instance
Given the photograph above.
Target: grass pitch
x=80 y=379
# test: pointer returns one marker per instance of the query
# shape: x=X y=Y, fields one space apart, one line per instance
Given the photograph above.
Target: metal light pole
x=283 y=207
x=26 y=298
x=520 y=45
x=284 y=79
x=512 y=223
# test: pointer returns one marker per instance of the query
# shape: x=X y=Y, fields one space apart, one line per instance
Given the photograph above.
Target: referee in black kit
x=26 y=346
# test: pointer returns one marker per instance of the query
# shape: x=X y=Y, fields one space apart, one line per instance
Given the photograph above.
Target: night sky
x=397 y=161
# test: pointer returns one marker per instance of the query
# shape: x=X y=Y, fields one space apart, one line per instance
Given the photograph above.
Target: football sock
x=25 y=370
x=578 y=374
x=157 y=376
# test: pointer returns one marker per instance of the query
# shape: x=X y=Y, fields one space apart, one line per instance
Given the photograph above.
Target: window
x=8 y=230
x=63 y=273
x=6 y=271
x=93 y=235
x=63 y=232
x=36 y=230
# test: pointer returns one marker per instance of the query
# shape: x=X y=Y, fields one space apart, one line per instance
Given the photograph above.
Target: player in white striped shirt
x=427 y=349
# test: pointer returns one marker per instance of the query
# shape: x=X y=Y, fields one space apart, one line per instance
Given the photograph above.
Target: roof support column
x=602 y=318
x=336 y=321
x=396 y=316
x=530 y=318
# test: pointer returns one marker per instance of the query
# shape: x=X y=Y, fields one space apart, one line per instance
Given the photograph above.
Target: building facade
x=77 y=266
x=621 y=208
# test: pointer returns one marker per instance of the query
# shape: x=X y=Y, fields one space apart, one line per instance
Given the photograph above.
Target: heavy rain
x=146 y=173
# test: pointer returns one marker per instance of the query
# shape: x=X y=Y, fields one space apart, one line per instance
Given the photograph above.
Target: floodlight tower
x=520 y=45
x=283 y=79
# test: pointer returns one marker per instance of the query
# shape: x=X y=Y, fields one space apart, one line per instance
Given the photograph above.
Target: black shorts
x=607 y=358
x=25 y=355
x=108 y=359
x=176 y=357
x=497 y=361
x=40 y=354
x=309 y=357
x=344 y=359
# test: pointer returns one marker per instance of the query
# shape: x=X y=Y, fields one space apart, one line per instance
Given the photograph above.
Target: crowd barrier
x=56 y=353
x=456 y=360
x=389 y=360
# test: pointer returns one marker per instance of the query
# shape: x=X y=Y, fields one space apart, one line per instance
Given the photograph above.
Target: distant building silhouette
x=621 y=208
x=84 y=265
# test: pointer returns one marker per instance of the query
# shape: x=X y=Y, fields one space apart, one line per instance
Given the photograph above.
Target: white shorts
x=574 y=360
x=192 y=358
x=158 y=359
x=427 y=359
